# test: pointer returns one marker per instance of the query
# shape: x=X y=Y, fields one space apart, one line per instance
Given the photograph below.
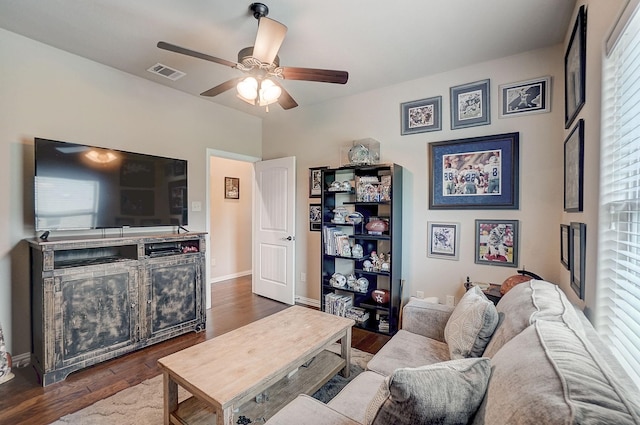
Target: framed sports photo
x=575 y=60
x=497 y=242
x=574 y=169
x=443 y=240
x=475 y=173
x=525 y=97
x=420 y=116
x=315 y=182
x=565 y=259
x=577 y=250
x=470 y=105
x=315 y=217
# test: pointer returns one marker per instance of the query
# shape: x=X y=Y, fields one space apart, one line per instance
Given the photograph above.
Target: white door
x=274 y=229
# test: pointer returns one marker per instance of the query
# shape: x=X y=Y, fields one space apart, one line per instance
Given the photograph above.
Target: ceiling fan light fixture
x=248 y=89
x=269 y=92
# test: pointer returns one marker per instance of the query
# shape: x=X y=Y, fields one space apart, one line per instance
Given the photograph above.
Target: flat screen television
x=86 y=187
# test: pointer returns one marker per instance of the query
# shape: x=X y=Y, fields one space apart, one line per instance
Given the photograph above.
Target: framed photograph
x=574 y=169
x=525 y=97
x=497 y=242
x=564 y=246
x=315 y=217
x=475 y=173
x=470 y=105
x=231 y=188
x=577 y=248
x=575 y=59
x=315 y=182
x=177 y=196
x=444 y=240
x=420 y=116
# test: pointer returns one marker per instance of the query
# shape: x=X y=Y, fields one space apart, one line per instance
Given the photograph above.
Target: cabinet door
x=174 y=295
x=96 y=313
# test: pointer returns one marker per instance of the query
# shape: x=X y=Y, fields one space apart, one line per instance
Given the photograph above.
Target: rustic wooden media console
x=94 y=299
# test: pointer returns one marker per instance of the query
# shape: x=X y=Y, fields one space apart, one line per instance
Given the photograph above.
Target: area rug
x=142 y=404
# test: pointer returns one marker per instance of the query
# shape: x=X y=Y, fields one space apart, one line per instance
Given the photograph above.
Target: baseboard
x=21 y=360
x=308 y=301
x=230 y=276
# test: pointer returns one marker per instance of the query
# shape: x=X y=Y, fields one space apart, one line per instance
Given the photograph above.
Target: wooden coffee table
x=229 y=371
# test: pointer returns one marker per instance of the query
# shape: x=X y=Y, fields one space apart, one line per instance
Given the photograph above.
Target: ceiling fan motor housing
x=259 y=10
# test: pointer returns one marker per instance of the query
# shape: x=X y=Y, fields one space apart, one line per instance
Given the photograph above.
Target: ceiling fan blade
x=311 y=74
x=268 y=40
x=193 y=53
x=285 y=100
x=221 y=88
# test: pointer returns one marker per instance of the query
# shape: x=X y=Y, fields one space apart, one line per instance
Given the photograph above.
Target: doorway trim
x=211 y=153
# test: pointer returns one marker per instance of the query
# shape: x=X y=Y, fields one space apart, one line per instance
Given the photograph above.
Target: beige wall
x=45 y=92
x=230 y=230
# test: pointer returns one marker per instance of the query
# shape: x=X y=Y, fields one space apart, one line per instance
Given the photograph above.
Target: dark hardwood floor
x=24 y=401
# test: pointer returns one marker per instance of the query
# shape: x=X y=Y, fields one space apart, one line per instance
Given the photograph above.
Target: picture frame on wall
x=574 y=169
x=315 y=182
x=232 y=188
x=315 y=217
x=497 y=242
x=444 y=240
x=525 y=97
x=564 y=245
x=421 y=116
x=575 y=60
x=470 y=105
x=577 y=249
x=455 y=168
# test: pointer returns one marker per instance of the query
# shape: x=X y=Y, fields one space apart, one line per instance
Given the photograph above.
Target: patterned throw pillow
x=442 y=393
x=471 y=325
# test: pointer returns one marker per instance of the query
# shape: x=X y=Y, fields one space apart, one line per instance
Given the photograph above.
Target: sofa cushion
x=407 y=349
x=471 y=325
x=444 y=393
x=305 y=410
x=524 y=304
x=354 y=398
x=552 y=374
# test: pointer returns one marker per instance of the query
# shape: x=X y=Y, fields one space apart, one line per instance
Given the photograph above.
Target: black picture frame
x=315 y=181
x=315 y=217
x=449 y=163
x=420 y=116
x=231 y=188
x=565 y=259
x=497 y=242
x=577 y=250
x=525 y=97
x=443 y=240
x=575 y=60
x=470 y=104
x=574 y=169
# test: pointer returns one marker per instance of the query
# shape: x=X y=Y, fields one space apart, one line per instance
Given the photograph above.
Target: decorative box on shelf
x=360 y=152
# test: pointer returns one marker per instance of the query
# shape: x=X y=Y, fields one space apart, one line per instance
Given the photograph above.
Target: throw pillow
x=442 y=393
x=471 y=325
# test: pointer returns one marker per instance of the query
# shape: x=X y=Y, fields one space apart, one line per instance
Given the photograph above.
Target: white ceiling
x=379 y=43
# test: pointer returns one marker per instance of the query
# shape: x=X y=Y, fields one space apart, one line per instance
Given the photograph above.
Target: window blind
x=618 y=305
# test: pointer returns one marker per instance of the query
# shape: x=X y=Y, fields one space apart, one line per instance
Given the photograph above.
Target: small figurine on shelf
x=375 y=261
x=351 y=281
x=367 y=265
x=385 y=264
x=357 y=251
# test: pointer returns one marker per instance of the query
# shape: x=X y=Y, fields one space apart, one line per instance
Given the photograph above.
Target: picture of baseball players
x=472 y=173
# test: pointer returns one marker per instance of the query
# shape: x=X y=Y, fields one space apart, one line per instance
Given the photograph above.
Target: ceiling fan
x=262 y=63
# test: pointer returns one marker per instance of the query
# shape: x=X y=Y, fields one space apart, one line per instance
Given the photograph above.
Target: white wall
x=314 y=135
x=230 y=230
x=45 y=92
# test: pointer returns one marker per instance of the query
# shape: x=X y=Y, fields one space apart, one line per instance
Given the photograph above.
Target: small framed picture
x=564 y=246
x=475 y=173
x=231 y=188
x=315 y=217
x=470 y=105
x=420 y=116
x=577 y=250
x=497 y=242
x=315 y=182
x=444 y=240
x=575 y=60
x=574 y=169
x=525 y=97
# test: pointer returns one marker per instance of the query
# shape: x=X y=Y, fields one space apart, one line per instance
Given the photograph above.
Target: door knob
x=289 y=238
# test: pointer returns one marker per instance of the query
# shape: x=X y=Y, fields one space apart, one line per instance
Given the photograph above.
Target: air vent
x=166 y=72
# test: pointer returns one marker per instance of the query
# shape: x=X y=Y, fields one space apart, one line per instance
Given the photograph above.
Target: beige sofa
x=542 y=363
